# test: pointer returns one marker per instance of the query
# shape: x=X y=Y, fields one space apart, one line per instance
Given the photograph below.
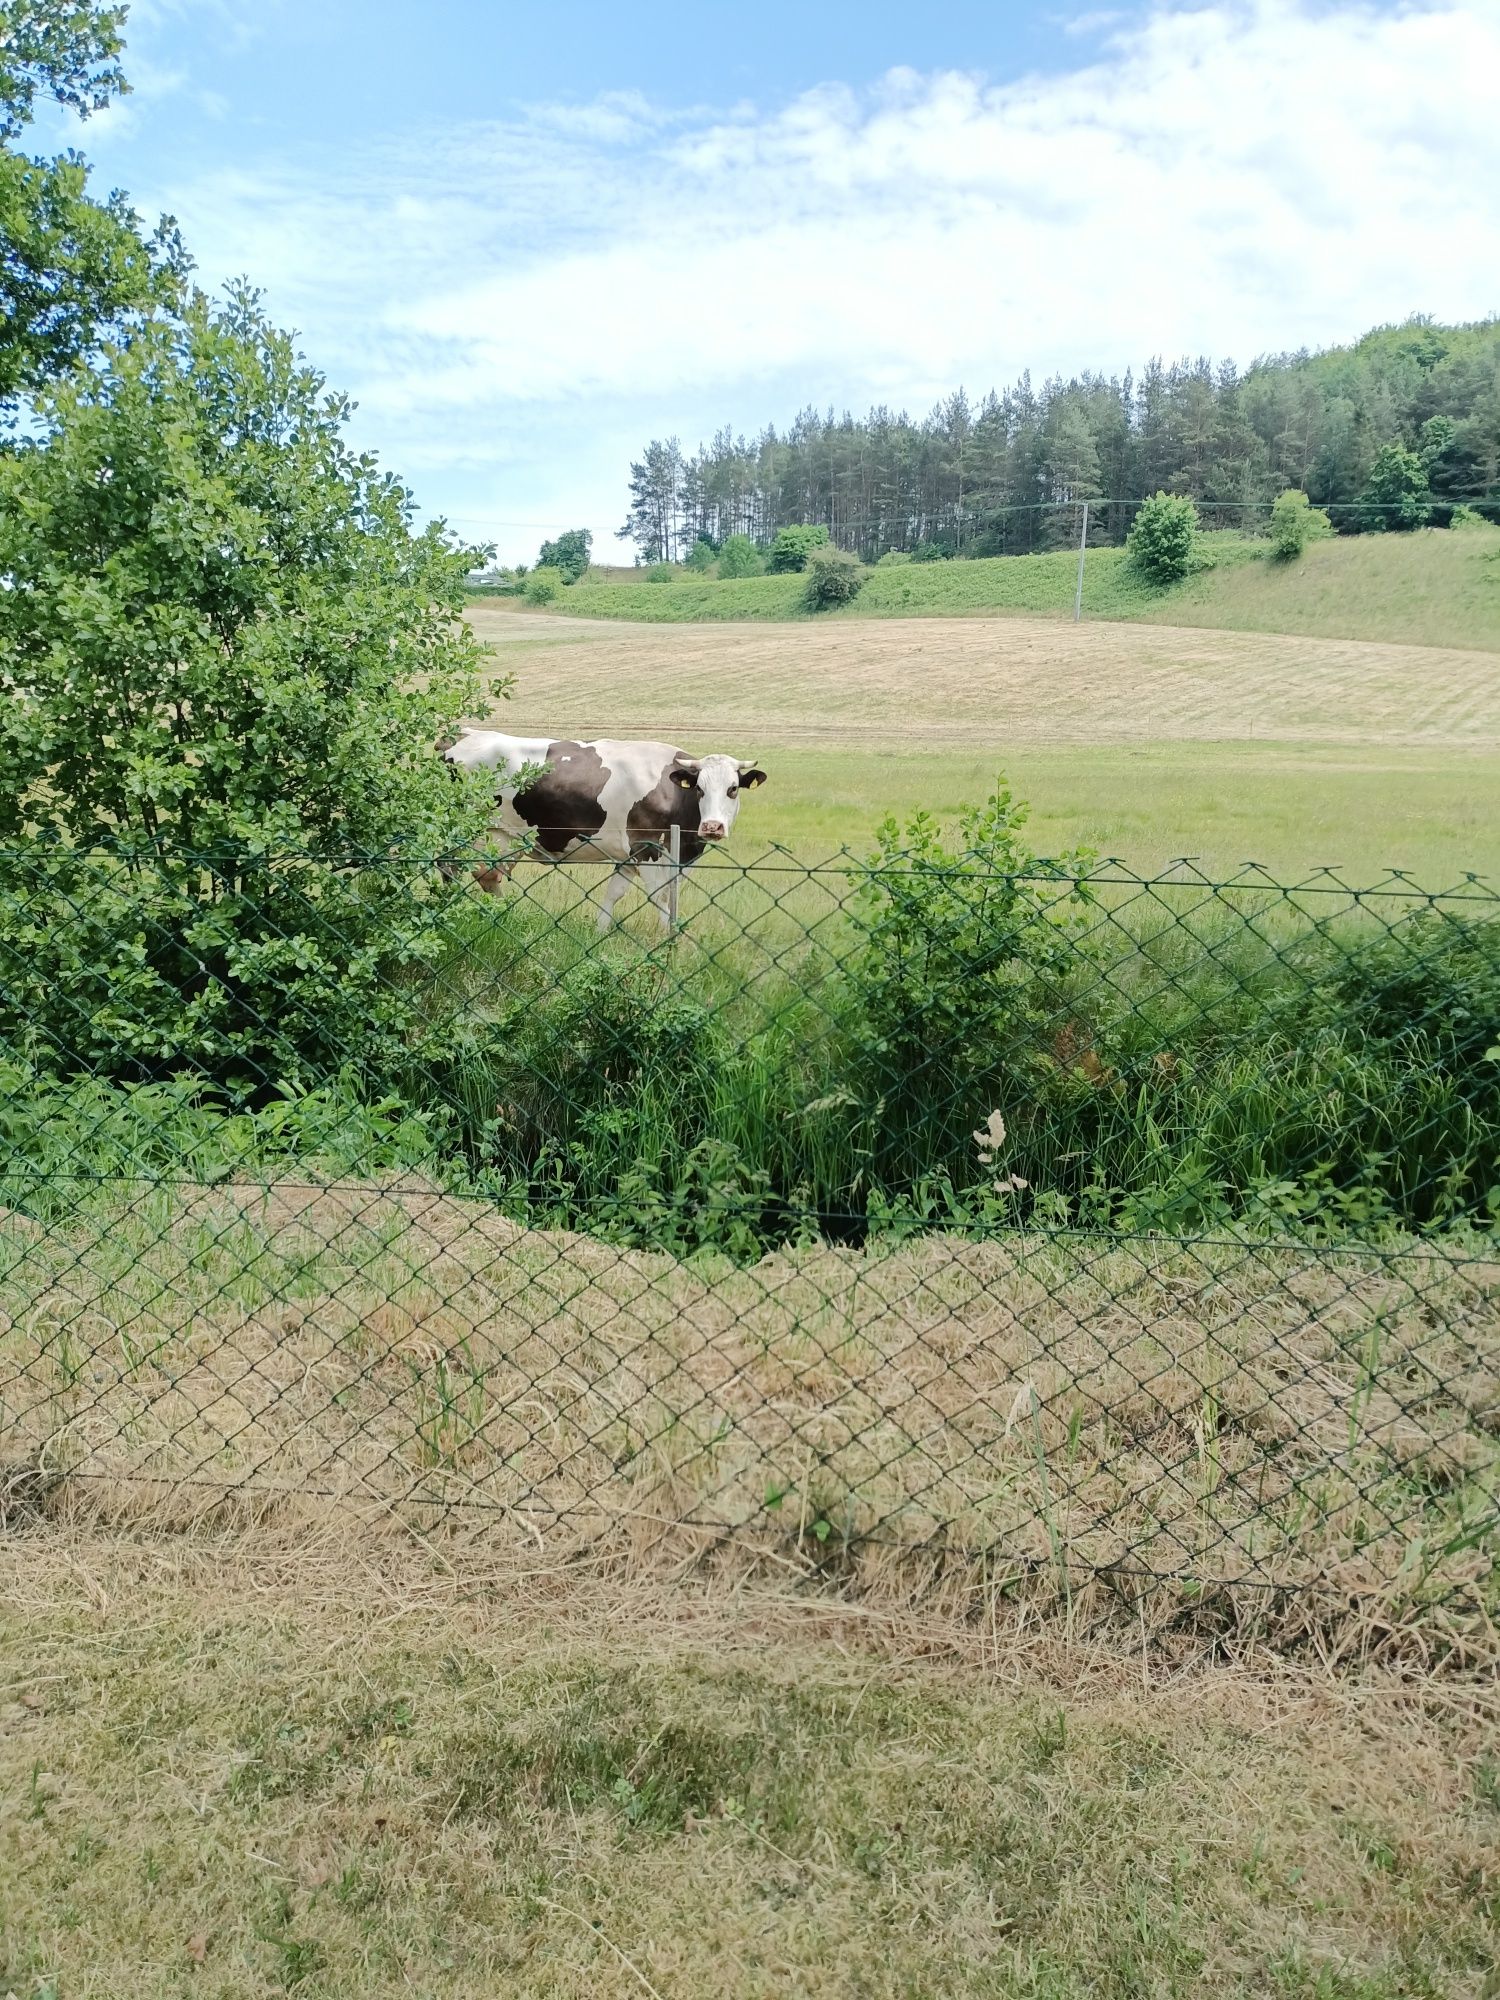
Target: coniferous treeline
x=1005 y=475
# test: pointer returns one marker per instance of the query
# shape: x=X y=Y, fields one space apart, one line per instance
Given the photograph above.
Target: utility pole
x=1083 y=542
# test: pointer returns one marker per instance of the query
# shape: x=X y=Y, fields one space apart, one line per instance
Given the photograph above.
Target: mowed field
x=1144 y=742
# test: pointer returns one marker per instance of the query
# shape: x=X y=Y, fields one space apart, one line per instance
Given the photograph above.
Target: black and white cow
x=608 y=801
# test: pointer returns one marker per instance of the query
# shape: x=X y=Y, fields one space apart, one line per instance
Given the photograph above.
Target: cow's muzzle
x=711 y=829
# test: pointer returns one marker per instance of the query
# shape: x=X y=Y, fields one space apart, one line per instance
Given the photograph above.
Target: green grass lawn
x=1291 y=807
x=1431 y=588
x=1035 y=584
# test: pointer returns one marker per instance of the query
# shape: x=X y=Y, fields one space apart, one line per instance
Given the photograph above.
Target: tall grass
x=1139 y=1097
x=816 y=1055
x=1170 y=1060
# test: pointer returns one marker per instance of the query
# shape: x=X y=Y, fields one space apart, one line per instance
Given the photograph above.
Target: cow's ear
x=751 y=774
x=685 y=776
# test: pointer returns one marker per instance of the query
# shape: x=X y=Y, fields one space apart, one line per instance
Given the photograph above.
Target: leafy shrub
x=232 y=657
x=543 y=586
x=1397 y=493
x=660 y=572
x=740 y=557
x=1295 y=523
x=793 y=546
x=496 y=582
x=833 y=577
x=951 y=982
x=1420 y=1004
x=926 y=552
x=1163 y=537
x=700 y=557
x=1431 y=982
x=600 y=1083
x=569 y=555
x=893 y=557
x=1465 y=518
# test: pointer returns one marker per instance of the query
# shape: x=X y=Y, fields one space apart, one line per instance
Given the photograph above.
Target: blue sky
x=528 y=238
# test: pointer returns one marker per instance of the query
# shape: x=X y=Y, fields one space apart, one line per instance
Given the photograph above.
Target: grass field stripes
x=1123 y=1243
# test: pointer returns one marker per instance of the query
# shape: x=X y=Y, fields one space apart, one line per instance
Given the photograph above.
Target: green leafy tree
x=1439 y=435
x=794 y=545
x=569 y=555
x=1451 y=471
x=700 y=557
x=834 y=577
x=50 y=48
x=1295 y=523
x=73 y=268
x=543 y=586
x=1398 y=494
x=227 y=657
x=740 y=557
x=1163 y=537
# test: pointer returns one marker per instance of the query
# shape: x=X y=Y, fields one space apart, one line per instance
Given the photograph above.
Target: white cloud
x=613 y=118
x=1225 y=179
x=242 y=21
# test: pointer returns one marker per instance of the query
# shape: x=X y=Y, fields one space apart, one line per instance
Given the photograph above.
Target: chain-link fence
x=1050 y=1232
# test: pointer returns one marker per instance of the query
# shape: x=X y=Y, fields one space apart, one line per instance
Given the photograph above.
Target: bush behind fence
x=1087 y=1233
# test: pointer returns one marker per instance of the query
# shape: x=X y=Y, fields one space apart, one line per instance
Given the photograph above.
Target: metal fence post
x=1083 y=542
x=674 y=882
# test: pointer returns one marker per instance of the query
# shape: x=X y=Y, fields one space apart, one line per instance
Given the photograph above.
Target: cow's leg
x=614 y=889
x=493 y=879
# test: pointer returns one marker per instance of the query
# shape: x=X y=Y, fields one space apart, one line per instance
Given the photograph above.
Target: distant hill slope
x=1435 y=588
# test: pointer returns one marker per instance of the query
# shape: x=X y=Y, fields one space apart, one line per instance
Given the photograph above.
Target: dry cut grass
x=235 y=1768
x=984 y=684
x=1238 y=1437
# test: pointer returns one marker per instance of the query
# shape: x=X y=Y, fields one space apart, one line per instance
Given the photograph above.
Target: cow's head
x=718 y=782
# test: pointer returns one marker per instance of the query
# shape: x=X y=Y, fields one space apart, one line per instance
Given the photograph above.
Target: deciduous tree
x=227 y=656
x=73 y=268
x=569 y=555
x=1397 y=493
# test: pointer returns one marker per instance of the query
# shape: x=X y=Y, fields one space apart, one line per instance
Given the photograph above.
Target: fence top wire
x=772 y=858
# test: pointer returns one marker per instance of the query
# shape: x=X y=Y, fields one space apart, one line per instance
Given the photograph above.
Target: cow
x=607 y=801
